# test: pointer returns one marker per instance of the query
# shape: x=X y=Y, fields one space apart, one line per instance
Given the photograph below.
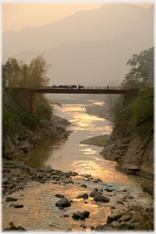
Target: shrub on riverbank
x=8 y=120
x=138 y=111
x=30 y=121
x=43 y=112
x=13 y=113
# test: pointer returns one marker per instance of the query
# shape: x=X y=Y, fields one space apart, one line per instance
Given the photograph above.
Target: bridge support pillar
x=33 y=103
x=131 y=95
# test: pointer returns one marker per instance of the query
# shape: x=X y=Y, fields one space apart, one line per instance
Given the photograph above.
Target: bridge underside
x=80 y=91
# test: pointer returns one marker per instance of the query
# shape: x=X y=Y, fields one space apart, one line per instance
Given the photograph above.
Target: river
x=70 y=155
x=39 y=212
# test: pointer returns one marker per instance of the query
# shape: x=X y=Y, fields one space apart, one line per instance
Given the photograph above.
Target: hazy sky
x=17 y=15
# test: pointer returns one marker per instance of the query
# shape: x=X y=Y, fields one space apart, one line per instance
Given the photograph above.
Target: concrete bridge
x=25 y=97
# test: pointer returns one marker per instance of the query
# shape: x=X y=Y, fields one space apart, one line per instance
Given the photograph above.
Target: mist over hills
x=89 y=47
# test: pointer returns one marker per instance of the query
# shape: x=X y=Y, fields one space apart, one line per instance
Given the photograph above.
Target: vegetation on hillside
x=140 y=76
x=139 y=110
x=18 y=74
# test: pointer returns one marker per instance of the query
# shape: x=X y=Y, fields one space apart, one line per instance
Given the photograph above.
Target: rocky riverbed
x=91 y=204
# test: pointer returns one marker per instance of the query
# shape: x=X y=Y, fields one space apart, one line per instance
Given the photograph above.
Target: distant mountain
x=89 y=47
x=94 y=25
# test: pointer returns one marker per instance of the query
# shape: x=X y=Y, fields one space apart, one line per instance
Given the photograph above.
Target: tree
x=18 y=74
x=37 y=72
x=6 y=69
x=24 y=73
x=14 y=76
x=142 y=71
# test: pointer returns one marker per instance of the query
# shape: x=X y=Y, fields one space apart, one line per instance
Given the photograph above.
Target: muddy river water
x=39 y=212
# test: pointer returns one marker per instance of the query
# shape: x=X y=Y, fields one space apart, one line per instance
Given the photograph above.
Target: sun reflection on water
x=98 y=170
x=82 y=121
x=99 y=103
x=88 y=151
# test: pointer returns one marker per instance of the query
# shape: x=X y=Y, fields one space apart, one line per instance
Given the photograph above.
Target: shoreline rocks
x=20 y=139
x=132 y=147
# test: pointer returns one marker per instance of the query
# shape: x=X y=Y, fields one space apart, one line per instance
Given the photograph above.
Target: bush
x=8 y=120
x=143 y=107
x=43 y=112
x=30 y=121
x=125 y=114
x=139 y=110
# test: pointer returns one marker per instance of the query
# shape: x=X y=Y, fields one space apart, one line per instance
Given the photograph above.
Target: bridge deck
x=80 y=91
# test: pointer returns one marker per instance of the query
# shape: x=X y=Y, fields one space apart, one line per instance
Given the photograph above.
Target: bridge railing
x=103 y=87
x=77 y=87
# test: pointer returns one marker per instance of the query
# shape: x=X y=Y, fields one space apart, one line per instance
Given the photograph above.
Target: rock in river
x=84 y=185
x=59 y=195
x=81 y=215
x=101 y=198
x=94 y=193
x=113 y=217
x=10 y=199
x=63 y=202
x=17 y=205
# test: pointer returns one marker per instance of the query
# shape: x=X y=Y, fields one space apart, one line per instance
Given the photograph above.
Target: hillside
x=132 y=138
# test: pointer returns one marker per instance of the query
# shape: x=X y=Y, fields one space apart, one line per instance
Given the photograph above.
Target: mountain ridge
x=96 y=50
x=72 y=28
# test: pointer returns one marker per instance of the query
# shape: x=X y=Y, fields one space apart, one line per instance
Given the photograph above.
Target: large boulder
x=25 y=146
x=8 y=147
x=114 y=217
x=94 y=193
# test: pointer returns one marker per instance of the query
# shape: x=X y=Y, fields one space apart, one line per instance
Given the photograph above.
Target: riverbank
x=23 y=131
x=34 y=194
x=132 y=147
x=19 y=139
